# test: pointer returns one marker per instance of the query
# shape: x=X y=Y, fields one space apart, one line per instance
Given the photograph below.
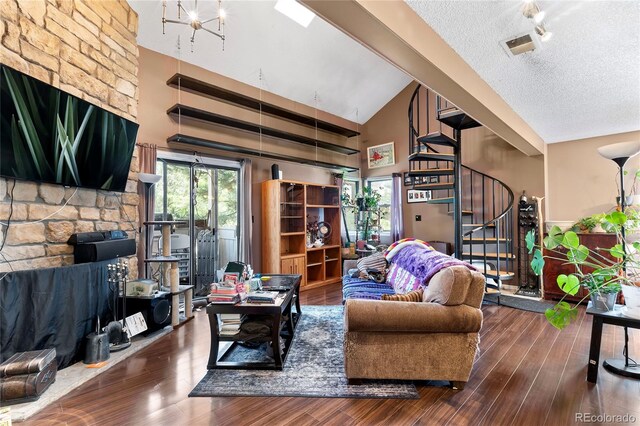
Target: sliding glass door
x=206 y=198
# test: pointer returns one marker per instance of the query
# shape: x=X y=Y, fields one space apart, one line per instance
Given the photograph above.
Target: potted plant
x=586 y=224
x=602 y=276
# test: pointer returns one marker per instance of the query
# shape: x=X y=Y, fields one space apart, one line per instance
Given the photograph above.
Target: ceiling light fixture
x=543 y=33
x=194 y=21
x=531 y=10
x=295 y=11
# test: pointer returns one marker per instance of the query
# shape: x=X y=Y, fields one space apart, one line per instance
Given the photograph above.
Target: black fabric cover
x=53 y=308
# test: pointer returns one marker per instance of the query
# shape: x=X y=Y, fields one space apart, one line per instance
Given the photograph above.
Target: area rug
x=524 y=304
x=314 y=367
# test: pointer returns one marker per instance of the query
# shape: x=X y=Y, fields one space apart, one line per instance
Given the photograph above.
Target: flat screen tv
x=48 y=135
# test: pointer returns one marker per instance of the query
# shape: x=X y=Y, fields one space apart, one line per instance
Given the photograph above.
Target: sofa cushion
x=357 y=288
x=449 y=286
x=412 y=296
x=390 y=316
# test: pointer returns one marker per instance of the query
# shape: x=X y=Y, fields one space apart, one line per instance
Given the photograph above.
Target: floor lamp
x=148 y=180
x=620 y=154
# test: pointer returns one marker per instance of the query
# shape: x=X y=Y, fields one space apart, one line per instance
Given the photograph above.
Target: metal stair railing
x=496 y=198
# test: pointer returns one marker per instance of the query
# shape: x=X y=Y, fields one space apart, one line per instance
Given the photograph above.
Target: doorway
x=204 y=195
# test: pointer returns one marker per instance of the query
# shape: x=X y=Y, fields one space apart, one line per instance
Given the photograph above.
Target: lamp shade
x=149 y=178
x=620 y=151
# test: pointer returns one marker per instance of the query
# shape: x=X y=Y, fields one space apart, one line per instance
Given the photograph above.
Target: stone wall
x=87 y=48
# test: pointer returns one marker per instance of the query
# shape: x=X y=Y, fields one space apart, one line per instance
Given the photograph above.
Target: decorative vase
x=603 y=301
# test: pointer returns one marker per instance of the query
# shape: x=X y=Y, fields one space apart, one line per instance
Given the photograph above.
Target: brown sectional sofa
x=435 y=339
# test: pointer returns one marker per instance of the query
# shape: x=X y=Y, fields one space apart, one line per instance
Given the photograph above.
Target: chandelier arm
x=173 y=21
x=181 y=7
x=209 y=20
x=213 y=32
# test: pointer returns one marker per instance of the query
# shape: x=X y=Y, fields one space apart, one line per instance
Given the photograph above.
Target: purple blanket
x=414 y=266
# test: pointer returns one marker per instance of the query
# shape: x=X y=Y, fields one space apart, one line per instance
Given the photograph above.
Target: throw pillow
x=412 y=296
x=449 y=287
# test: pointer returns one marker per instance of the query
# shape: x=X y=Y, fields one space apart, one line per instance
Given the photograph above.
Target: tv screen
x=51 y=136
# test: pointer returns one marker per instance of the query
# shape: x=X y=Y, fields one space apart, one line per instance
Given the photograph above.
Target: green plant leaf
x=616 y=218
x=26 y=125
x=561 y=315
x=570 y=284
x=555 y=230
x=570 y=240
x=617 y=251
x=67 y=153
x=19 y=152
x=83 y=126
x=530 y=239
x=578 y=255
x=537 y=263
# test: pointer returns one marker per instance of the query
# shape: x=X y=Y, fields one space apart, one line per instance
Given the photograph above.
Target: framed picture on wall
x=418 y=196
x=408 y=180
x=381 y=155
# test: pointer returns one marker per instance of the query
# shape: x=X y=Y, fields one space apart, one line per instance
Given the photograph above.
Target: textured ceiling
x=584 y=82
x=296 y=62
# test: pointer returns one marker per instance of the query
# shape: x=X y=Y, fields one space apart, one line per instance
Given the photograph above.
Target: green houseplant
x=600 y=275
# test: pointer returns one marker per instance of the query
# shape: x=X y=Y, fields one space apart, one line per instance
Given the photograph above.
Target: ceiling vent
x=523 y=43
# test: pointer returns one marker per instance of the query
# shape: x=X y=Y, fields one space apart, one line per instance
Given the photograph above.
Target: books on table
x=262 y=296
x=224 y=294
x=229 y=324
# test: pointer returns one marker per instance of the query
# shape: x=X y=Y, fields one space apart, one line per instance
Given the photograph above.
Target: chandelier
x=194 y=21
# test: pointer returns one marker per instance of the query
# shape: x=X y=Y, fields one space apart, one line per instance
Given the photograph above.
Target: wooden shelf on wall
x=190 y=140
x=211 y=117
x=200 y=87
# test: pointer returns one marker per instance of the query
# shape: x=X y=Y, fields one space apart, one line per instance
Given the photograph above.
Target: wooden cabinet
x=553 y=268
x=293 y=265
x=287 y=209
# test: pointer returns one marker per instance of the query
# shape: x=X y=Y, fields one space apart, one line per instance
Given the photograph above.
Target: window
x=350 y=188
x=383 y=187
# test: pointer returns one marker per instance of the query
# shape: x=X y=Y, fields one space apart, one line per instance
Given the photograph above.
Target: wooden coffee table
x=281 y=308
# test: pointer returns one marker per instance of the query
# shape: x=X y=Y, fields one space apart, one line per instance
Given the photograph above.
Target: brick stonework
x=87 y=48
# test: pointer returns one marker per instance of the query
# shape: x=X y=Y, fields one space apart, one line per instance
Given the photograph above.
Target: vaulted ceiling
x=584 y=82
x=318 y=66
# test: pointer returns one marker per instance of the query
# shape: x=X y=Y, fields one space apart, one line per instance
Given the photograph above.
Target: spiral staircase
x=481 y=205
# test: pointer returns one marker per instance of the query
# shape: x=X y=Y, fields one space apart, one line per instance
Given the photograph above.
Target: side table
x=616 y=366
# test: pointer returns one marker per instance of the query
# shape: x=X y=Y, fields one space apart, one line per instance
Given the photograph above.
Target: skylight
x=295 y=11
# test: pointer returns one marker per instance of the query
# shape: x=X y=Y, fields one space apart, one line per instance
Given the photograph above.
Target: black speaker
x=275 y=171
x=103 y=250
x=156 y=311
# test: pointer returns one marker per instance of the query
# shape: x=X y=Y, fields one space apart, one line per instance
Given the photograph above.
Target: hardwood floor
x=527 y=373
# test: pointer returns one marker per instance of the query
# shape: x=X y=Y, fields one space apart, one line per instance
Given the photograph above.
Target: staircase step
x=464 y=213
x=478 y=225
x=434 y=186
x=446 y=200
x=430 y=172
x=480 y=255
x=458 y=119
x=431 y=156
x=438 y=138
x=488 y=239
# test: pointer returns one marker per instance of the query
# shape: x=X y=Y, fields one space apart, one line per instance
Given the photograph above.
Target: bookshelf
x=287 y=208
